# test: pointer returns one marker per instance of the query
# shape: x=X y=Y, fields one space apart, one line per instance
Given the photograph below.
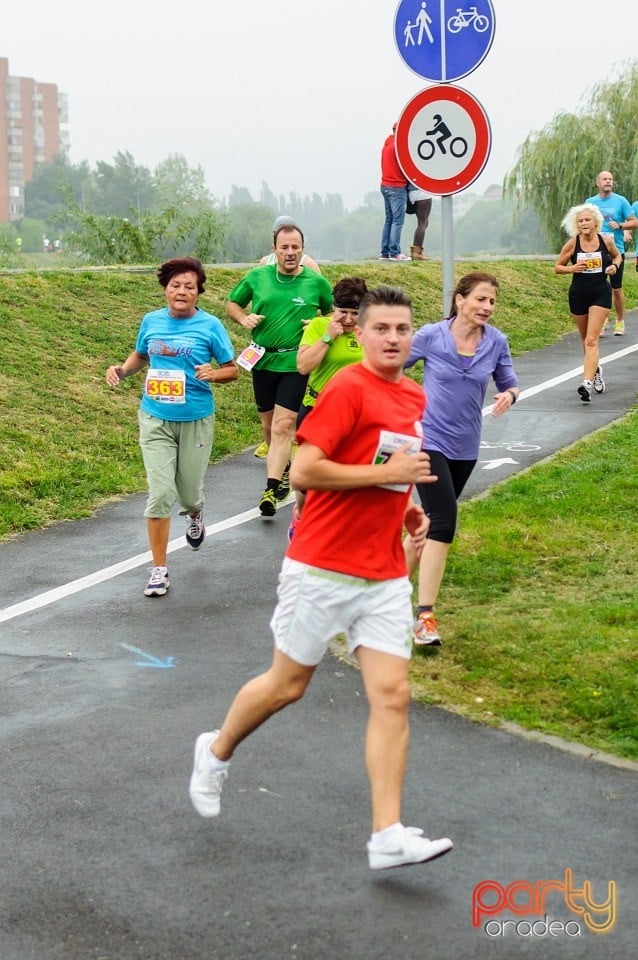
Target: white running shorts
x=316 y=605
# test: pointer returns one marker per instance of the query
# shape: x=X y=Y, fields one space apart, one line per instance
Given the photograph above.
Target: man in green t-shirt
x=282 y=297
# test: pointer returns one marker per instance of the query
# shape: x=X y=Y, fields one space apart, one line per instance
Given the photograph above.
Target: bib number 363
x=166 y=386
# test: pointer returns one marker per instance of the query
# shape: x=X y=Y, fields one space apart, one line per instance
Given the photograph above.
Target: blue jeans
x=394 y=199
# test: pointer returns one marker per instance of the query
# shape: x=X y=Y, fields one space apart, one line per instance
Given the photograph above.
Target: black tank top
x=597 y=260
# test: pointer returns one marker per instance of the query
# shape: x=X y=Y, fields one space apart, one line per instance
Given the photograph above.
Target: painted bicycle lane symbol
x=509 y=446
x=441 y=133
x=512 y=446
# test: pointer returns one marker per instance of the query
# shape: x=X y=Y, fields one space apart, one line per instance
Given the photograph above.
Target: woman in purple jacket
x=460 y=355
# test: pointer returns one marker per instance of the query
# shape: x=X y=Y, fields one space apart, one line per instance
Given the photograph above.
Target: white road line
x=108 y=573
x=568 y=375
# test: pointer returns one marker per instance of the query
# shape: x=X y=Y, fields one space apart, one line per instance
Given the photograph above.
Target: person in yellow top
x=328 y=344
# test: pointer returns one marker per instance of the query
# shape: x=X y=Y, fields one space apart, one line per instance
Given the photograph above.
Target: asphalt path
x=103 y=692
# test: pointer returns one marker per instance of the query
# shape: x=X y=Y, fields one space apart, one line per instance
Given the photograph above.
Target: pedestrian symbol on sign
x=423 y=21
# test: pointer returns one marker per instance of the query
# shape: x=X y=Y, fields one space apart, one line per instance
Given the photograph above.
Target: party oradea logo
x=543 y=905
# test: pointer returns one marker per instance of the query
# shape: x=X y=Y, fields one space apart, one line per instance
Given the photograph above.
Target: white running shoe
x=584 y=391
x=158 y=584
x=403 y=850
x=599 y=383
x=195 y=530
x=206 y=784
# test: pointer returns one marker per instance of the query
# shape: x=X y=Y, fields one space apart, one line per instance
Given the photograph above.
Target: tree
x=171 y=232
x=556 y=167
x=490 y=227
x=268 y=199
x=239 y=196
x=8 y=248
x=45 y=195
x=121 y=189
x=178 y=183
x=32 y=232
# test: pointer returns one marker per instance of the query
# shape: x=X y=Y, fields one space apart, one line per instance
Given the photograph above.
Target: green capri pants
x=176 y=455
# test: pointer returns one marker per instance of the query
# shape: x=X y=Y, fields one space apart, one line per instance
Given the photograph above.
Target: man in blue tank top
x=617 y=217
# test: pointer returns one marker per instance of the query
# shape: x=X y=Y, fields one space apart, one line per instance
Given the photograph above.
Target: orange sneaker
x=425 y=630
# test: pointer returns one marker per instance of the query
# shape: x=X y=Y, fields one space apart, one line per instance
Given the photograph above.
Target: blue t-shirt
x=174 y=346
x=613 y=207
x=455 y=390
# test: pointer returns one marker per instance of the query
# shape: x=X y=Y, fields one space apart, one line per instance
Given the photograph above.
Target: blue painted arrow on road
x=150 y=660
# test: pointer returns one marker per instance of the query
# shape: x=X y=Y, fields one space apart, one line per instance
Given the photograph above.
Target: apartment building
x=33 y=119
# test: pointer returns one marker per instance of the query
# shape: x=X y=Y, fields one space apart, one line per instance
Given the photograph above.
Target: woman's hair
x=347 y=293
x=182 y=265
x=467 y=283
x=570 y=221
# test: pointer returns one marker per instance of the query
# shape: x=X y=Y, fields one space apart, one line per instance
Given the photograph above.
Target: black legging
x=422 y=210
x=439 y=499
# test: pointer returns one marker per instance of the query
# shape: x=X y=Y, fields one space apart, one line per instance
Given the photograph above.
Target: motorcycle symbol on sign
x=441 y=134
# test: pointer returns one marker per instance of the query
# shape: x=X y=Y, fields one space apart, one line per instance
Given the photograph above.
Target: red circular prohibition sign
x=481 y=152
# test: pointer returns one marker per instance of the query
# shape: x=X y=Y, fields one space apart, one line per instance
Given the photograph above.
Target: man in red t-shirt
x=345 y=572
x=394 y=190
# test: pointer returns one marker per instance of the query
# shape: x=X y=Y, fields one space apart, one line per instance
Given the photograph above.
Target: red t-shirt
x=391 y=173
x=357 y=532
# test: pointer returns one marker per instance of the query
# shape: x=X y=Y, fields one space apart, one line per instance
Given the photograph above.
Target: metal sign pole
x=447 y=227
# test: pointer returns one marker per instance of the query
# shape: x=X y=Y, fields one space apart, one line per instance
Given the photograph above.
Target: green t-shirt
x=285 y=303
x=345 y=350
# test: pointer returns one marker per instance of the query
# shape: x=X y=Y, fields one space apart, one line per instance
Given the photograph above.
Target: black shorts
x=582 y=298
x=439 y=499
x=616 y=278
x=272 y=388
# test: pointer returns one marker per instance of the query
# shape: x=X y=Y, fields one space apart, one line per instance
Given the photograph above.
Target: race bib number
x=166 y=386
x=250 y=355
x=389 y=443
x=593 y=261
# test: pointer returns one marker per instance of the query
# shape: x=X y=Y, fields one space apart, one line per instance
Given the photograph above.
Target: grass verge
x=538 y=607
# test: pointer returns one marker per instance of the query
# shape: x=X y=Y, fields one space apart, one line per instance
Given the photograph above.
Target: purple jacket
x=453 y=418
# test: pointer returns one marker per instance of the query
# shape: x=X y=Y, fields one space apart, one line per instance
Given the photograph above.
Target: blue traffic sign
x=441 y=41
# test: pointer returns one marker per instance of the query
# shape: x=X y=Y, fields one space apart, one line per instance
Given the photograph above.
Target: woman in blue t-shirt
x=176 y=415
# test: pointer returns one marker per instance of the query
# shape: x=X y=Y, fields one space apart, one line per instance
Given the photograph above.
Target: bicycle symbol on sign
x=466 y=18
x=441 y=132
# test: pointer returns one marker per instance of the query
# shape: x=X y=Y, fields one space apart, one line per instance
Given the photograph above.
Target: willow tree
x=557 y=166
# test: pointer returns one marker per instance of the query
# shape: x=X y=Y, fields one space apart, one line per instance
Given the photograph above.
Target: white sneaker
x=206 y=784
x=195 y=530
x=158 y=584
x=599 y=383
x=584 y=391
x=401 y=851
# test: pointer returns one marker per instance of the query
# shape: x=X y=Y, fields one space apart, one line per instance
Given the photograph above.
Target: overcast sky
x=300 y=95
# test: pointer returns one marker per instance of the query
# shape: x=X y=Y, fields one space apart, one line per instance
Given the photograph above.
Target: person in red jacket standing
x=395 y=196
